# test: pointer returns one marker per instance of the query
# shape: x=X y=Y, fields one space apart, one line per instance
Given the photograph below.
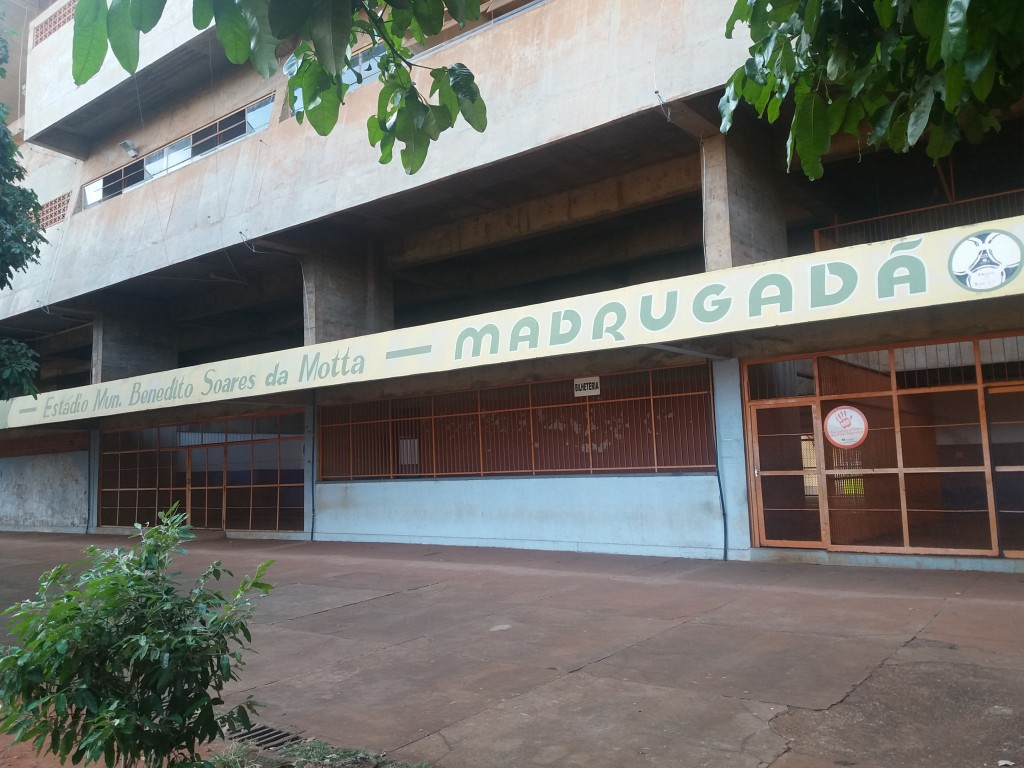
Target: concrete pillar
x=744 y=222
x=124 y=346
x=732 y=461
x=345 y=295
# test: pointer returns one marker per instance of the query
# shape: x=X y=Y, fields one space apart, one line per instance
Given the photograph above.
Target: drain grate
x=265 y=737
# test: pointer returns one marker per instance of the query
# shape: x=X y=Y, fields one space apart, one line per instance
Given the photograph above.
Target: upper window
x=230 y=128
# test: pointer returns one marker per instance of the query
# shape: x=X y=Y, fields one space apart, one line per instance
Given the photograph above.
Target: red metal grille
x=55 y=211
x=54 y=21
x=643 y=421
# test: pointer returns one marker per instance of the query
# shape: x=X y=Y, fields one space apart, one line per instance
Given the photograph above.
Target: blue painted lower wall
x=669 y=515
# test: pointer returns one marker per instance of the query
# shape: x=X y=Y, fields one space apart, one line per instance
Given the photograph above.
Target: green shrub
x=119 y=663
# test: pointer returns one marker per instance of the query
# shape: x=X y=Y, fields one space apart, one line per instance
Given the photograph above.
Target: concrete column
x=345 y=295
x=744 y=222
x=732 y=462
x=124 y=346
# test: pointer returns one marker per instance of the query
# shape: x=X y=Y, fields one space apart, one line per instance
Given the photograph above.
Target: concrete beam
x=581 y=205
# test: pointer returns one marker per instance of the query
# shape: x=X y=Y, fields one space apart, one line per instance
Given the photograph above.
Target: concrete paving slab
x=284 y=653
x=394 y=618
x=989 y=626
x=421 y=660
x=842 y=615
x=629 y=596
x=392 y=697
x=745 y=573
x=552 y=638
x=294 y=600
x=882 y=581
x=972 y=718
x=615 y=724
x=800 y=670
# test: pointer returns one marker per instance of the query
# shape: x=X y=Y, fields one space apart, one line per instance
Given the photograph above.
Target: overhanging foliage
x=893 y=71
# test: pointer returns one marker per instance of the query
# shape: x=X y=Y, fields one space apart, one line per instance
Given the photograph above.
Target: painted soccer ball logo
x=986 y=260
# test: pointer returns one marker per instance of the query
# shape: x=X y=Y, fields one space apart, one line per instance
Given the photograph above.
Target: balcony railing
x=896 y=225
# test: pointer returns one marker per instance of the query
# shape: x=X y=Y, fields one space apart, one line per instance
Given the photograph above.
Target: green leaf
x=262 y=43
x=202 y=13
x=740 y=12
x=920 y=115
x=879 y=121
x=885 y=10
x=837 y=112
x=430 y=15
x=146 y=13
x=954 y=32
x=89 y=44
x=124 y=37
x=811 y=137
x=232 y=31
x=290 y=17
x=812 y=14
x=323 y=116
x=330 y=31
x=471 y=105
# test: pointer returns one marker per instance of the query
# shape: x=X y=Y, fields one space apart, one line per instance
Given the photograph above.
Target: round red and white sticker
x=846 y=427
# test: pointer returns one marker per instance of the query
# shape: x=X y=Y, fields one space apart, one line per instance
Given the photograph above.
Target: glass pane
x=864 y=510
x=413 y=442
x=785 y=438
x=877 y=450
x=935 y=365
x=790 y=505
x=948 y=510
x=690 y=378
x=854 y=372
x=156 y=164
x=1009 y=489
x=1006 y=428
x=786 y=378
x=93 y=192
x=258 y=115
x=178 y=153
x=941 y=429
x=239 y=469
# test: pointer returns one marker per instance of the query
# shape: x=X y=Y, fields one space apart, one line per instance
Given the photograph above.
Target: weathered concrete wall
x=615 y=55
x=669 y=515
x=732 y=470
x=45 y=493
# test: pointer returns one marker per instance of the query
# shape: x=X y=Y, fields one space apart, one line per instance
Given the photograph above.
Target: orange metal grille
x=245 y=473
x=53 y=22
x=907 y=223
x=644 y=421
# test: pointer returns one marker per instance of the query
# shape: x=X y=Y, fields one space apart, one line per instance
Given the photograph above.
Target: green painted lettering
x=820 y=273
x=608 y=320
x=476 y=336
x=902 y=269
x=647 y=318
x=708 y=307
x=771 y=289
x=525 y=331
x=559 y=335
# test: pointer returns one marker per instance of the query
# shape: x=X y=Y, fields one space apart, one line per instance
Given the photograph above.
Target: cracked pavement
x=470 y=658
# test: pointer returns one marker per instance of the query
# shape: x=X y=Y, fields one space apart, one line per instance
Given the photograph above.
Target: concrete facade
x=601 y=182
x=45 y=492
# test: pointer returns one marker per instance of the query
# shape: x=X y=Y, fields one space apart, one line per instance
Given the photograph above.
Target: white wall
x=667 y=515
